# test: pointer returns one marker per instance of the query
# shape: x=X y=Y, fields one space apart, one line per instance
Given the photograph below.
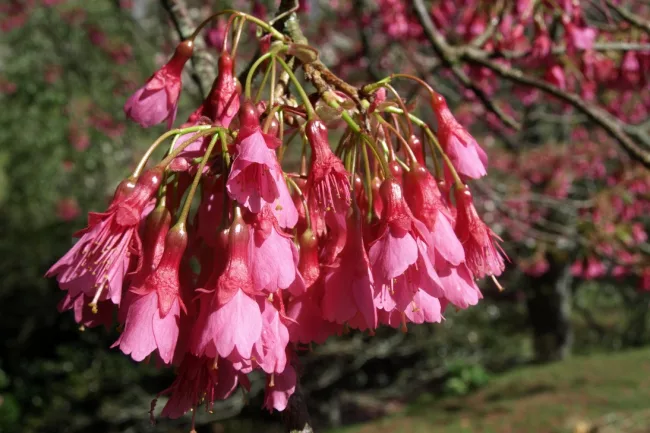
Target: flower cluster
x=585 y=199
x=222 y=259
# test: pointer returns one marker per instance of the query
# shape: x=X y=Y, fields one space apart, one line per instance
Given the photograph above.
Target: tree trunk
x=548 y=298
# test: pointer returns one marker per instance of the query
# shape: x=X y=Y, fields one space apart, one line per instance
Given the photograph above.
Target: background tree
x=571 y=200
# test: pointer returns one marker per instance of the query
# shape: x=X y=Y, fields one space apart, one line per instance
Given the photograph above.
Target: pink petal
x=391 y=255
x=148 y=107
x=460 y=289
x=445 y=241
x=362 y=290
x=271 y=348
x=165 y=331
x=283 y=207
x=424 y=308
x=237 y=325
x=138 y=338
x=277 y=396
x=466 y=158
x=338 y=302
x=272 y=261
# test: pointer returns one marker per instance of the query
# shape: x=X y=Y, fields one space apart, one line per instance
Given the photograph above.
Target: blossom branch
x=454 y=56
x=629 y=17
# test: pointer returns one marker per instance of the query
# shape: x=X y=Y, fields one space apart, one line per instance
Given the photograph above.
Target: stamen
x=98 y=293
x=499 y=286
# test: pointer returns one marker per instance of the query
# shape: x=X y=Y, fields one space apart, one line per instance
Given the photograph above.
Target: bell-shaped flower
x=328 y=182
x=279 y=387
x=426 y=203
x=349 y=284
x=97 y=264
x=152 y=320
x=256 y=178
x=270 y=350
x=398 y=256
x=463 y=150
x=230 y=321
x=483 y=254
x=157 y=100
x=199 y=380
x=273 y=255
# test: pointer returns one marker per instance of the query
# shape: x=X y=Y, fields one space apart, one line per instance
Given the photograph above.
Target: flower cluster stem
x=182 y=219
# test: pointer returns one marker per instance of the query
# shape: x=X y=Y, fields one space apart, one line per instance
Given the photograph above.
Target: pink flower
x=307 y=323
x=581 y=38
x=308 y=265
x=222 y=104
x=210 y=210
x=463 y=150
x=67 y=209
x=378 y=99
x=631 y=68
x=458 y=285
x=594 y=269
x=273 y=254
x=270 y=350
x=577 y=268
x=426 y=203
x=155 y=230
x=335 y=238
x=425 y=308
x=230 y=321
x=328 y=183
x=100 y=313
x=79 y=138
x=483 y=254
x=199 y=379
x=97 y=264
x=279 y=388
x=555 y=75
x=398 y=257
x=157 y=100
x=215 y=34
x=541 y=48
x=153 y=316
x=256 y=178
x=349 y=284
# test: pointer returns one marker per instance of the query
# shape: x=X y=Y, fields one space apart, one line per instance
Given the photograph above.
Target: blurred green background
x=65 y=72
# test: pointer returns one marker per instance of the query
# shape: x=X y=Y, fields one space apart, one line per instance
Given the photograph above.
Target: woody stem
x=301 y=91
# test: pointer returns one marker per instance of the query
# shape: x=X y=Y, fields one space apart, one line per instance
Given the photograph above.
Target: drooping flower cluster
x=271 y=259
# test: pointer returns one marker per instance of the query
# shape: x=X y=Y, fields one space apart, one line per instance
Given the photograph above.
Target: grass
x=601 y=393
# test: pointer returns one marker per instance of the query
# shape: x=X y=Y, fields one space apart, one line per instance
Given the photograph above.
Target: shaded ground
x=596 y=394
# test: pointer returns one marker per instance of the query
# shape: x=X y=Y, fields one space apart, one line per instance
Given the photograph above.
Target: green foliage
x=464 y=378
x=64 y=83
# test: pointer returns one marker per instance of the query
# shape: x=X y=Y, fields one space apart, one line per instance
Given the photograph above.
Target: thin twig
x=630 y=17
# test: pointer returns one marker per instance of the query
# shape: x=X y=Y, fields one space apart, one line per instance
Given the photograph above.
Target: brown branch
x=446 y=53
x=454 y=56
x=499 y=9
x=484 y=98
x=630 y=17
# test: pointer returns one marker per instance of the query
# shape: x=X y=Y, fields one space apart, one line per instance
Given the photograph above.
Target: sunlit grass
x=604 y=393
